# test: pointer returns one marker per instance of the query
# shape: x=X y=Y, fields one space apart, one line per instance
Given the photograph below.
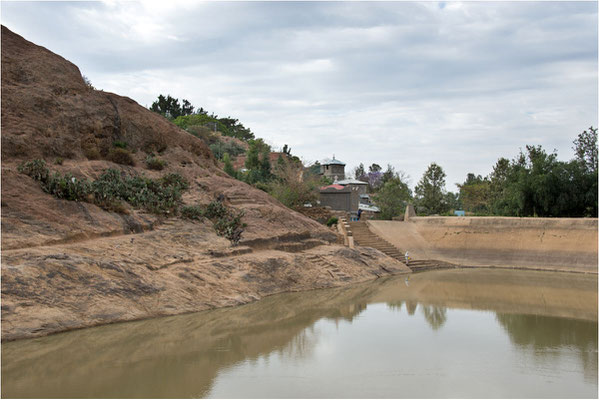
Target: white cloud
x=405 y=83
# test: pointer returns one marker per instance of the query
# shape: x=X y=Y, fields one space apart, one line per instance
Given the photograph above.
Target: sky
x=402 y=83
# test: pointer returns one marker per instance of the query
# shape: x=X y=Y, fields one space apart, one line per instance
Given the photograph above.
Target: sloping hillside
x=71 y=264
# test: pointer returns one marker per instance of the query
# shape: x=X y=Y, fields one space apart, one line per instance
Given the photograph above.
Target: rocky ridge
x=69 y=264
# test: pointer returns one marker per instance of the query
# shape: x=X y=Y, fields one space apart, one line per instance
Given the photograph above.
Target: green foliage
x=120 y=144
x=192 y=212
x=162 y=196
x=58 y=160
x=120 y=155
x=392 y=198
x=153 y=162
x=230 y=226
x=257 y=164
x=293 y=186
x=430 y=191
x=215 y=209
x=585 y=147
x=219 y=148
x=228 y=167
x=170 y=107
x=67 y=187
x=475 y=194
x=226 y=126
x=36 y=169
x=226 y=221
x=332 y=221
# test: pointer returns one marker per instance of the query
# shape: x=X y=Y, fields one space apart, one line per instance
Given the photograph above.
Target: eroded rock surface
x=68 y=265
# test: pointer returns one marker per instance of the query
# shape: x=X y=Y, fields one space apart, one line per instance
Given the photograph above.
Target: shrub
x=230 y=226
x=35 y=169
x=215 y=209
x=58 y=160
x=161 y=196
x=68 y=187
x=332 y=221
x=91 y=151
x=120 y=155
x=120 y=144
x=155 y=163
x=192 y=212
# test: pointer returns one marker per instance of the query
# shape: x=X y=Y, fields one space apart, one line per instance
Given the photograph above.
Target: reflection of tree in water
x=411 y=307
x=435 y=316
x=542 y=333
x=395 y=305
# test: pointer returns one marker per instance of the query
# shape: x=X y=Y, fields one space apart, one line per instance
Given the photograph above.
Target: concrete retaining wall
x=552 y=243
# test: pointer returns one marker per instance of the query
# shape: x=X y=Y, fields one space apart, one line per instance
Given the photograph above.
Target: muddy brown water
x=454 y=333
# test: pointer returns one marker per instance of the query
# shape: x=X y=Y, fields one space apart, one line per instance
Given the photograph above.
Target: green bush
x=162 y=196
x=36 y=169
x=332 y=221
x=58 y=160
x=192 y=212
x=67 y=187
x=155 y=163
x=219 y=149
x=120 y=144
x=120 y=155
x=230 y=226
x=215 y=209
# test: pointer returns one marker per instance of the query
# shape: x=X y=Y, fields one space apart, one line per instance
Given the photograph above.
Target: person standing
x=407 y=255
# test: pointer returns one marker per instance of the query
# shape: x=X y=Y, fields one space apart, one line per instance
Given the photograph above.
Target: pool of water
x=458 y=333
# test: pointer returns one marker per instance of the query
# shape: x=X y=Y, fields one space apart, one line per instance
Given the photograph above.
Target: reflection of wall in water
x=542 y=333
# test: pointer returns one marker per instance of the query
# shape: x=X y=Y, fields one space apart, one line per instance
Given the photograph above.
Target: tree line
x=534 y=183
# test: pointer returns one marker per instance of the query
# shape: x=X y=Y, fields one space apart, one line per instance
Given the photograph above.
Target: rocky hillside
x=71 y=264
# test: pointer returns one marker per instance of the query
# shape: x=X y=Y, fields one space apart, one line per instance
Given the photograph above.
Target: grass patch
x=121 y=156
x=153 y=162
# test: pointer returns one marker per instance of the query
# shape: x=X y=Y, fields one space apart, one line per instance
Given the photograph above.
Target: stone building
x=344 y=194
x=333 y=169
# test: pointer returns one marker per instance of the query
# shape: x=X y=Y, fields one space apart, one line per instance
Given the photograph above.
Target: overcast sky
x=406 y=83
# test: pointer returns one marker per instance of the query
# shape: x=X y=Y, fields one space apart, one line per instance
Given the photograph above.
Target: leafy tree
x=187 y=108
x=360 y=173
x=430 y=191
x=475 y=194
x=388 y=174
x=392 y=198
x=169 y=107
x=585 y=147
x=374 y=168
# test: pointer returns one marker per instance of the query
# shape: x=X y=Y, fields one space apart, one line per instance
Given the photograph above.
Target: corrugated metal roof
x=351 y=182
x=366 y=207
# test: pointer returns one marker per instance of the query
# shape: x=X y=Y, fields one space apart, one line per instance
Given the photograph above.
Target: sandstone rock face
x=68 y=264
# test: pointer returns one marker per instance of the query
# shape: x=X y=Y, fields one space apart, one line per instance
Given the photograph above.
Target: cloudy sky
x=405 y=83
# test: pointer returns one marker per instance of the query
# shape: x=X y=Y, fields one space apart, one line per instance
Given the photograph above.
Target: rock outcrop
x=68 y=264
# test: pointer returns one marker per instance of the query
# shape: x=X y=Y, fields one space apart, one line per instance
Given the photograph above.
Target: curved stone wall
x=568 y=244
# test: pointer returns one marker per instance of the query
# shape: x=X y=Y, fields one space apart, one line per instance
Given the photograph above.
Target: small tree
x=392 y=198
x=228 y=167
x=430 y=191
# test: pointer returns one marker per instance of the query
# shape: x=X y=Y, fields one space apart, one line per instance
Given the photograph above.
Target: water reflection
x=184 y=356
x=544 y=334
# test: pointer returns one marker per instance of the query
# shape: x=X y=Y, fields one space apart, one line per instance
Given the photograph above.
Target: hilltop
x=72 y=264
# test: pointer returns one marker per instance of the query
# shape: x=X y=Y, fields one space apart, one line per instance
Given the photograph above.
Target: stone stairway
x=363 y=236
x=331 y=269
